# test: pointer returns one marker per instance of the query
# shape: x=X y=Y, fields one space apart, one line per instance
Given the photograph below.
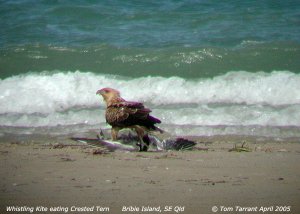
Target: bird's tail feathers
x=154 y=119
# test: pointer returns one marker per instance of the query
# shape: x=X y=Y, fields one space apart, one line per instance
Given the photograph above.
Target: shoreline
x=36 y=173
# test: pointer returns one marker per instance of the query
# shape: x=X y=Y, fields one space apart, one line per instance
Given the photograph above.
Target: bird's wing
x=126 y=112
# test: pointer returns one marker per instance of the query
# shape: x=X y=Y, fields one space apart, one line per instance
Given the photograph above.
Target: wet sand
x=37 y=173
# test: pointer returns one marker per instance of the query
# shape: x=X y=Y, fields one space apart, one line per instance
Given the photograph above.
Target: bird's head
x=109 y=94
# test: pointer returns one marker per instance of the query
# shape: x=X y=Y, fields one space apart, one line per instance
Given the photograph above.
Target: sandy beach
x=40 y=175
x=223 y=74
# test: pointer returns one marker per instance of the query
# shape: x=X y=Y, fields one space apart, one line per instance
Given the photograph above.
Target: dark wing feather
x=123 y=114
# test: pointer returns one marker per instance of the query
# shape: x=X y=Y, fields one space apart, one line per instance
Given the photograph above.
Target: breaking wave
x=44 y=93
x=236 y=98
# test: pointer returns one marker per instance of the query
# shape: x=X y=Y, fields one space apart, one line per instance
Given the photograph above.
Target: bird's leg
x=140 y=133
x=101 y=135
x=146 y=141
x=114 y=133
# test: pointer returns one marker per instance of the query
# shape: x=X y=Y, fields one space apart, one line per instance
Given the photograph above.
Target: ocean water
x=204 y=67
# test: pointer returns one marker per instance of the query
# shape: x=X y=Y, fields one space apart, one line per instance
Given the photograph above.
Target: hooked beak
x=99 y=92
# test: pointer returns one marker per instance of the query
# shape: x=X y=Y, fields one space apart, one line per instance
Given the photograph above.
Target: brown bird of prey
x=122 y=114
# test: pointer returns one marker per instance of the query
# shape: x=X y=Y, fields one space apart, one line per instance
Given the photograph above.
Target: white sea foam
x=234 y=99
x=60 y=91
x=202 y=115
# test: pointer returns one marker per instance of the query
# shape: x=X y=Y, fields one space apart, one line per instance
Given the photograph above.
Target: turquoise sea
x=203 y=67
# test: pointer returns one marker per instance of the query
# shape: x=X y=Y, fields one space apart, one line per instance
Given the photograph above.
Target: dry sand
x=34 y=174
